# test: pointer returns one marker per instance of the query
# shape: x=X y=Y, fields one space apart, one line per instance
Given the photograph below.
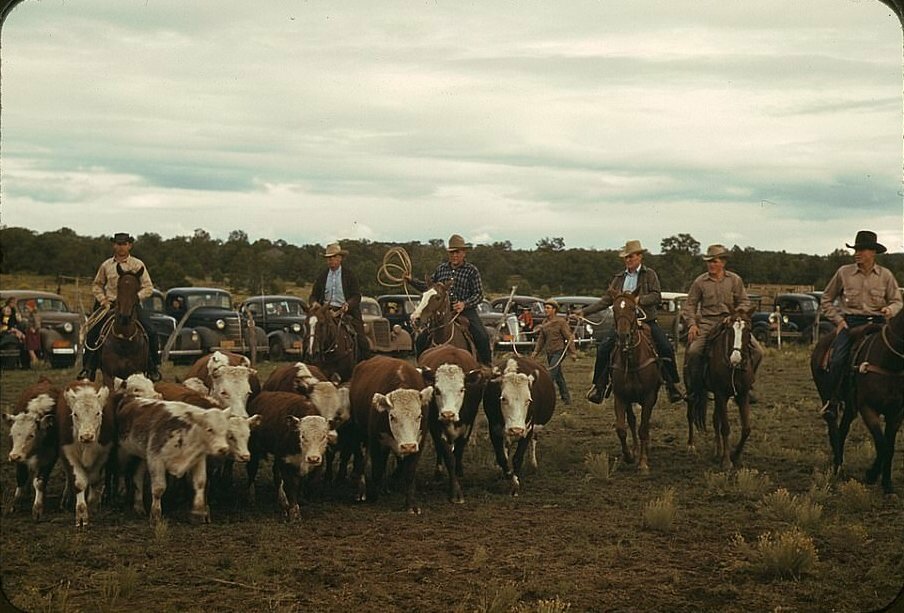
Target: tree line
x=265 y=266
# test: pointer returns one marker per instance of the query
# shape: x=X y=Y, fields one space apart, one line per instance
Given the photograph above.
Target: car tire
x=277 y=350
x=761 y=334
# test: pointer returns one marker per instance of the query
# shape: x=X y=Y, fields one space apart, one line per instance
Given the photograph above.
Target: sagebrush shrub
x=660 y=514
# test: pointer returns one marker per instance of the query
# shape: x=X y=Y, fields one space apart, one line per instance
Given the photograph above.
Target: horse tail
x=698 y=412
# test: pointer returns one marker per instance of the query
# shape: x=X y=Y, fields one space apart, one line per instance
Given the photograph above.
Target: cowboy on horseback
x=337 y=287
x=104 y=290
x=713 y=296
x=859 y=293
x=644 y=280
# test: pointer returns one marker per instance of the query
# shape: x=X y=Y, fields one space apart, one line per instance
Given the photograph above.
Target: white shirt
x=333 y=289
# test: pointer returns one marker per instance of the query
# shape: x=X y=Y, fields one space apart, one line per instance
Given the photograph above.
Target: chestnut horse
x=729 y=373
x=876 y=388
x=434 y=314
x=635 y=377
x=330 y=344
x=124 y=346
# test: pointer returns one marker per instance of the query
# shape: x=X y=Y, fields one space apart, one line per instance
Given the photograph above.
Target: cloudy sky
x=771 y=124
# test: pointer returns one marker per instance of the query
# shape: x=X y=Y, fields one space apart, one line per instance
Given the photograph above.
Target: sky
x=771 y=124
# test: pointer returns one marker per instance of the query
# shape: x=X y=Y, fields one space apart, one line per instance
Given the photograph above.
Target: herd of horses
x=874 y=386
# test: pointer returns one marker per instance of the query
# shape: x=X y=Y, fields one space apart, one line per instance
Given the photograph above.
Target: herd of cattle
x=220 y=414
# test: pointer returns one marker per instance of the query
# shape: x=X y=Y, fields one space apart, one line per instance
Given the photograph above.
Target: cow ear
x=103 y=393
x=381 y=403
x=118 y=383
x=343 y=396
x=426 y=395
x=48 y=421
x=8 y=418
x=474 y=377
x=254 y=421
x=291 y=421
x=428 y=375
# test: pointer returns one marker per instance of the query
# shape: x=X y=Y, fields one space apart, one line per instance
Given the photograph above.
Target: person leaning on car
x=337 y=287
x=857 y=294
x=104 y=290
x=644 y=280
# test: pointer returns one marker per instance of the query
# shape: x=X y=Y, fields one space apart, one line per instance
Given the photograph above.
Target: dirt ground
x=576 y=539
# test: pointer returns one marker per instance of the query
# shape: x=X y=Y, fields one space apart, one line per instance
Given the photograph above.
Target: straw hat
x=867 y=240
x=631 y=247
x=456 y=242
x=334 y=249
x=551 y=303
x=716 y=251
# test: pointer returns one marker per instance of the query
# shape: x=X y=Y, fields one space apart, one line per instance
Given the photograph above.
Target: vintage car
x=594 y=327
x=382 y=337
x=522 y=315
x=282 y=317
x=798 y=315
x=209 y=313
x=60 y=327
x=186 y=347
x=669 y=316
x=397 y=308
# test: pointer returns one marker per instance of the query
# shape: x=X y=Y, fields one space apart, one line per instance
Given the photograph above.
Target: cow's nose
x=314 y=459
x=86 y=438
x=243 y=457
x=14 y=457
x=447 y=415
x=406 y=448
x=516 y=432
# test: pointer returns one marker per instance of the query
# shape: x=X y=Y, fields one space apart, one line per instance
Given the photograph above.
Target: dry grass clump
x=717 y=483
x=548 y=605
x=598 y=466
x=502 y=600
x=790 y=553
x=660 y=514
x=750 y=483
x=849 y=537
x=821 y=488
x=799 y=510
x=853 y=497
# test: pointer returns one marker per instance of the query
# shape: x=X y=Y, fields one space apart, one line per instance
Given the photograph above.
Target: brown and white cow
x=518 y=402
x=229 y=378
x=35 y=446
x=87 y=432
x=296 y=435
x=136 y=385
x=458 y=384
x=389 y=412
x=170 y=437
x=298 y=377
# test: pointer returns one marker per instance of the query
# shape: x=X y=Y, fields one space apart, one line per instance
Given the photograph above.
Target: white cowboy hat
x=334 y=249
x=716 y=251
x=633 y=246
x=456 y=242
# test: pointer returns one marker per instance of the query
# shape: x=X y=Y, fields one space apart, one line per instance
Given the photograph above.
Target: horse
x=635 y=377
x=330 y=343
x=729 y=373
x=441 y=327
x=875 y=388
x=124 y=345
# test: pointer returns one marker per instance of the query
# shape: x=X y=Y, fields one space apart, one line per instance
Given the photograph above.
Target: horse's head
x=127 y=286
x=434 y=303
x=737 y=329
x=624 y=313
x=322 y=329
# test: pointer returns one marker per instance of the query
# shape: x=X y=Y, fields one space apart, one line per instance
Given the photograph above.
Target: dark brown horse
x=330 y=344
x=437 y=321
x=635 y=378
x=729 y=373
x=124 y=344
x=875 y=388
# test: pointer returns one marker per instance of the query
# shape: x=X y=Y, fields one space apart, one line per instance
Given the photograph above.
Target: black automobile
x=592 y=327
x=59 y=328
x=522 y=315
x=209 y=313
x=397 y=308
x=282 y=317
x=798 y=315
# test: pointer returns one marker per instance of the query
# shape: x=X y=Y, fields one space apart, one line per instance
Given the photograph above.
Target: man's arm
x=352 y=290
x=653 y=296
x=893 y=296
x=829 y=294
x=99 y=284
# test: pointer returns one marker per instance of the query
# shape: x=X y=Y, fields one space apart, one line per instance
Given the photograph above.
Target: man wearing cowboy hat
x=465 y=294
x=104 y=290
x=337 y=287
x=713 y=296
x=858 y=293
x=645 y=281
x=554 y=337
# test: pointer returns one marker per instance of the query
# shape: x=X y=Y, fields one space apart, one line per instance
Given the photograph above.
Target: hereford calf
x=296 y=435
x=229 y=378
x=298 y=377
x=518 y=402
x=35 y=446
x=86 y=431
x=169 y=437
x=389 y=405
x=458 y=384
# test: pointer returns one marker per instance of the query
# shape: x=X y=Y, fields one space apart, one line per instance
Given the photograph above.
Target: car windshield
x=213 y=299
x=280 y=308
x=370 y=308
x=153 y=303
x=484 y=307
x=46 y=304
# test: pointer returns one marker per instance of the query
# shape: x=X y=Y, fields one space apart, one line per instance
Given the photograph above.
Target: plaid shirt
x=466 y=285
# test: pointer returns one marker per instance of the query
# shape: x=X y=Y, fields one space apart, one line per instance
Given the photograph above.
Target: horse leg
x=722 y=430
x=871 y=419
x=841 y=431
x=744 y=410
x=691 y=447
x=646 y=412
x=891 y=431
x=632 y=426
x=621 y=429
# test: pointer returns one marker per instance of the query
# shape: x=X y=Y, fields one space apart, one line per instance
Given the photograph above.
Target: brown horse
x=124 y=346
x=875 y=388
x=434 y=314
x=330 y=344
x=729 y=373
x=635 y=377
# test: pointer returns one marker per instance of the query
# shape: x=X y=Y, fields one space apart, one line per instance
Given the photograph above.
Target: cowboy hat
x=334 y=249
x=456 y=242
x=122 y=237
x=551 y=303
x=866 y=240
x=633 y=246
x=716 y=251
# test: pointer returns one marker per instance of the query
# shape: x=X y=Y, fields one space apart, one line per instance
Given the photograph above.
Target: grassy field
x=588 y=533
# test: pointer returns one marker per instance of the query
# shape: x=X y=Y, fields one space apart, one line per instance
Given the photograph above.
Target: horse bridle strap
x=866 y=367
x=888 y=343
